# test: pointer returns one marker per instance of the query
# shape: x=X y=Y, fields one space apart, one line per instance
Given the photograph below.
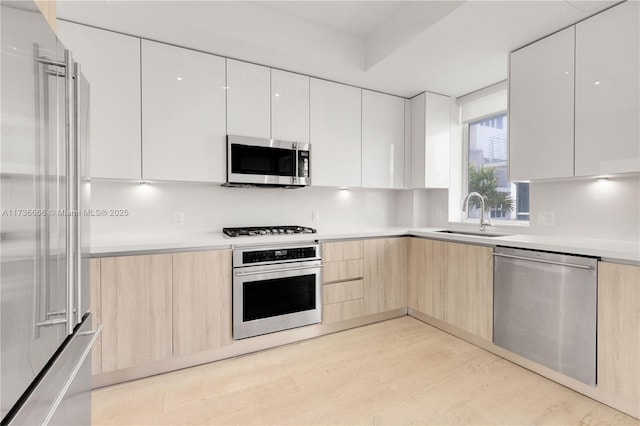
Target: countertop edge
x=518 y=241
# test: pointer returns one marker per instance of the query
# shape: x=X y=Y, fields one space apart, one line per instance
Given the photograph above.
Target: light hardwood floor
x=400 y=371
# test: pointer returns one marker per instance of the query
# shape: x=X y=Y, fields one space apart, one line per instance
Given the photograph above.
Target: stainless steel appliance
x=255 y=161
x=276 y=288
x=252 y=231
x=44 y=238
x=545 y=309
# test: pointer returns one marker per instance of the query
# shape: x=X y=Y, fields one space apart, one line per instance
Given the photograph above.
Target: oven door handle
x=270 y=271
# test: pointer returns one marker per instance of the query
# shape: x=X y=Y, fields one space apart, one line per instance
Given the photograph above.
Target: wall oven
x=276 y=288
x=256 y=161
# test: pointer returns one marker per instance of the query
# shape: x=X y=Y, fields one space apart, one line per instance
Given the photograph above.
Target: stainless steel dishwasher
x=545 y=309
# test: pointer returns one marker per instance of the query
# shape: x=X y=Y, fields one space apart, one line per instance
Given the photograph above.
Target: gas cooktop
x=267 y=230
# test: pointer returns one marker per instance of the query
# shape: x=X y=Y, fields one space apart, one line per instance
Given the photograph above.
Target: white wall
x=589 y=209
x=582 y=208
x=209 y=208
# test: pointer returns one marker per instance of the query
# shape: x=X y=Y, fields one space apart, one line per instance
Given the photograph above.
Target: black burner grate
x=267 y=230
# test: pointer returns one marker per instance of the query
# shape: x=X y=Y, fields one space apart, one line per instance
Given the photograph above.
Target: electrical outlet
x=547 y=218
x=315 y=216
x=178 y=218
x=439 y=214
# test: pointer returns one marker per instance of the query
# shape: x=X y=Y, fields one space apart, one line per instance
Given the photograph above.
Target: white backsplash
x=587 y=208
x=582 y=208
x=209 y=207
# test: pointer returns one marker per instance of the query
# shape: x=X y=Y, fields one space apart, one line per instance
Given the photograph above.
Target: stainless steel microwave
x=257 y=161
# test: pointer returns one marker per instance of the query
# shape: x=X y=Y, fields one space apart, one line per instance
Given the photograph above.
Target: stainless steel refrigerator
x=46 y=334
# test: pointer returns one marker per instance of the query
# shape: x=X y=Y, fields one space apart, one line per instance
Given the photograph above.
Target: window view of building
x=487 y=172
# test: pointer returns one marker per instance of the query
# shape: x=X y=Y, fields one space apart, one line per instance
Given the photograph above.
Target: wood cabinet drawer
x=342 y=270
x=341 y=292
x=343 y=250
x=342 y=311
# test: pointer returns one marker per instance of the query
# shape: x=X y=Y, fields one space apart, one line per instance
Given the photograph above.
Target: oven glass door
x=276 y=297
x=260 y=160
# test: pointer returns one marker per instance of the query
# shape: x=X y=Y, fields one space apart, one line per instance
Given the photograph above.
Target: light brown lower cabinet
x=342 y=250
x=453 y=282
x=469 y=289
x=154 y=307
x=343 y=287
x=427 y=276
x=619 y=330
x=342 y=311
x=385 y=274
x=136 y=300
x=201 y=301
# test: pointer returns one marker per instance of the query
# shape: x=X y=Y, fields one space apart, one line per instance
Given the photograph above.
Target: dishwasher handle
x=531 y=259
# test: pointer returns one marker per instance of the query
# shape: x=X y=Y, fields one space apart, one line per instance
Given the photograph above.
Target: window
x=487 y=169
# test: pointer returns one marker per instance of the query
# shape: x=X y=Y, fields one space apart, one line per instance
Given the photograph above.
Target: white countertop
x=624 y=251
x=217 y=240
x=606 y=249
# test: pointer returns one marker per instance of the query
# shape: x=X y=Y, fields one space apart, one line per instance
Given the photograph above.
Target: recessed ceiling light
x=596 y=83
x=179 y=78
x=276 y=95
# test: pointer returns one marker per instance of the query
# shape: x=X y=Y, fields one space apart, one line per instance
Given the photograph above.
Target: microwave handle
x=297 y=166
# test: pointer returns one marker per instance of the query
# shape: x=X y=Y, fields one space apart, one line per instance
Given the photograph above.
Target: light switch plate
x=315 y=216
x=547 y=218
x=178 y=218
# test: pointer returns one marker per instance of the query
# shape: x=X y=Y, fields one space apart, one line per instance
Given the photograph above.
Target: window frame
x=465 y=174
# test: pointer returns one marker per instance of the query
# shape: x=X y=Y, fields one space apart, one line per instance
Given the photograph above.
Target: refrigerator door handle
x=77 y=183
x=70 y=199
x=41 y=287
x=74 y=373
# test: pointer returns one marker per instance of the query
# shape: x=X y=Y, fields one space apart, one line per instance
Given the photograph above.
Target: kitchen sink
x=472 y=233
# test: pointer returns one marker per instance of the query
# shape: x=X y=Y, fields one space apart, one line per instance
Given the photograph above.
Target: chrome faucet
x=465 y=208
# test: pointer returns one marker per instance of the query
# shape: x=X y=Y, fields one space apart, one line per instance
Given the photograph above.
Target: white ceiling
x=398 y=47
x=358 y=18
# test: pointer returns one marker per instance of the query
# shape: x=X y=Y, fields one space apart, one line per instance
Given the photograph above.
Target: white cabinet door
x=382 y=140
x=248 y=99
x=183 y=114
x=111 y=63
x=289 y=106
x=335 y=134
x=541 y=109
x=608 y=92
x=430 y=141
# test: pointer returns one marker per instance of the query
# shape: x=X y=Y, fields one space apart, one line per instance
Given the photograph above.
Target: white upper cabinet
x=608 y=92
x=183 y=114
x=335 y=134
x=248 y=99
x=541 y=109
x=111 y=63
x=289 y=106
x=430 y=141
x=382 y=140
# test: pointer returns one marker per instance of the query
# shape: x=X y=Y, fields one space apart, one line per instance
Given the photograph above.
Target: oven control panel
x=279 y=255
